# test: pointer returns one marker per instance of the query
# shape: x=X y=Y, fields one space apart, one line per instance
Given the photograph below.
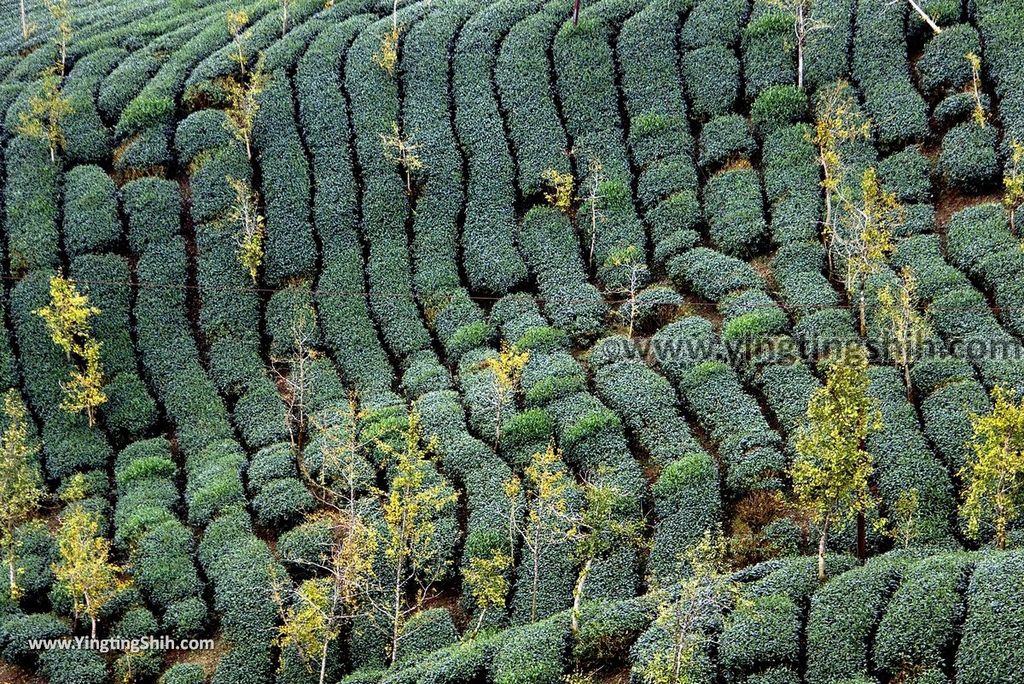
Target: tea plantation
x=475 y=342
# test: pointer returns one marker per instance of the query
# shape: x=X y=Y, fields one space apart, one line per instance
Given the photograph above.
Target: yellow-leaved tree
x=559 y=192
x=404 y=153
x=978 y=113
x=837 y=120
x=994 y=474
x=904 y=326
x=84 y=567
x=245 y=213
x=60 y=12
x=686 y=616
x=386 y=56
x=415 y=497
x=338 y=478
x=831 y=469
x=237 y=20
x=67 y=315
x=84 y=391
x=308 y=623
x=631 y=259
x=21 y=482
x=243 y=96
x=47 y=109
x=507 y=367
x=547 y=486
x=1013 y=183
x=600 y=529
x=67 y=319
x=486 y=580
x=863 y=237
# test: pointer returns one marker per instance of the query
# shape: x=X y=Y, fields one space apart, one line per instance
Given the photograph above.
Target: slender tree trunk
x=924 y=15
x=800 y=33
x=323 y=663
x=497 y=421
x=593 y=226
x=12 y=573
x=479 y=622
x=24 y=21
x=863 y=314
x=821 y=556
x=92 y=618
x=575 y=12
x=910 y=385
x=1000 y=525
x=828 y=222
x=677 y=655
x=862 y=541
x=397 y=607
x=577 y=594
x=536 y=575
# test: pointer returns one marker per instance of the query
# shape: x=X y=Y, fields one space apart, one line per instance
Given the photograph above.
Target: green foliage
x=777 y=107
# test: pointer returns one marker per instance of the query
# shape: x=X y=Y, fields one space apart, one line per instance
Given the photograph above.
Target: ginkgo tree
x=978 y=113
x=314 y=614
x=863 y=236
x=84 y=567
x=403 y=151
x=21 y=482
x=803 y=25
x=838 y=121
x=415 y=497
x=308 y=623
x=67 y=317
x=702 y=589
x=243 y=97
x=559 y=189
x=599 y=529
x=832 y=466
x=47 y=109
x=507 y=369
x=632 y=260
x=1013 y=183
x=486 y=580
x=245 y=214
x=903 y=325
x=237 y=20
x=60 y=12
x=386 y=56
x=994 y=474
x=549 y=491
x=84 y=390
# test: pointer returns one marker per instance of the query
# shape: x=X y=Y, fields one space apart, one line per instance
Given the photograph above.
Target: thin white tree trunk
x=800 y=33
x=924 y=15
x=821 y=551
x=24 y=21
x=577 y=594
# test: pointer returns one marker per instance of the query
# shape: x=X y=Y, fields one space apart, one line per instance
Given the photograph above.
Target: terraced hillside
x=457 y=341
